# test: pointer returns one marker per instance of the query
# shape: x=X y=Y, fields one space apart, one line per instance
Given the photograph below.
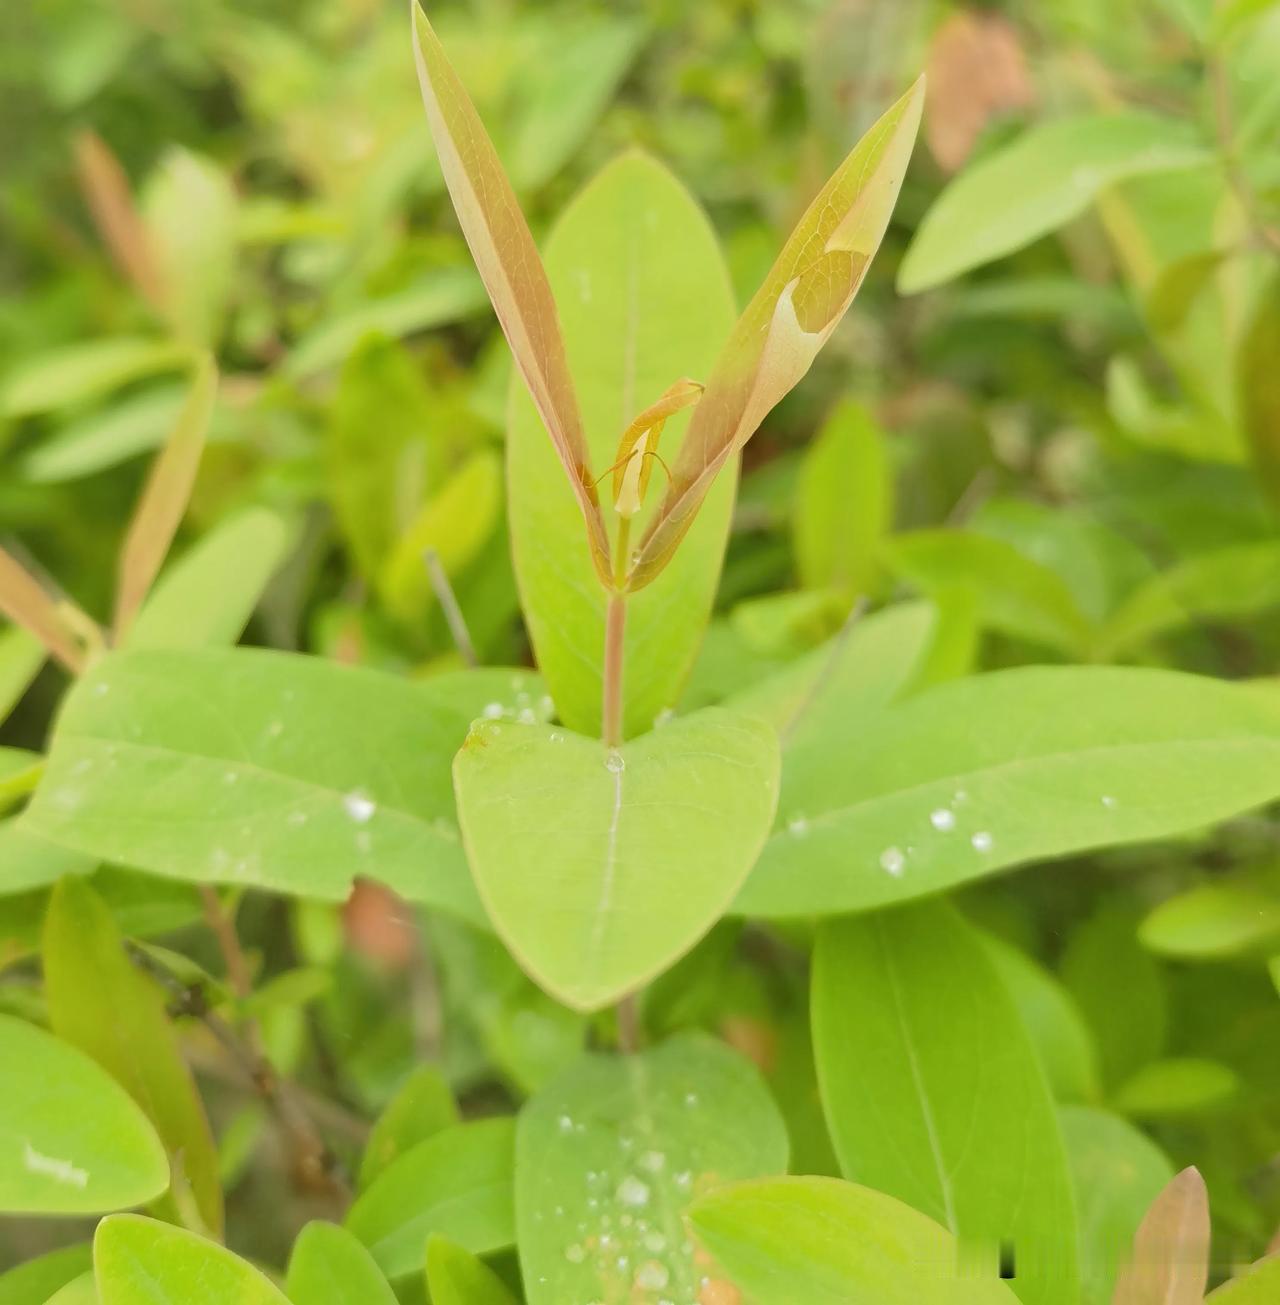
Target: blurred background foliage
x=1069 y=440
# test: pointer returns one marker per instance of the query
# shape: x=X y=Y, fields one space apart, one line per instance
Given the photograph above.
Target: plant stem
x=615 y=624
x=448 y=600
x=628 y=1025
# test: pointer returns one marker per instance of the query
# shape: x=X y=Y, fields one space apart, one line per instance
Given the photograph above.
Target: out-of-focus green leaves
x=34 y=1282
x=328 y=1266
x=100 y=1002
x=420 y=1109
x=77 y=372
x=21 y=656
x=1170 y=1088
x=1260 y=384
x=1230 y=916
x=456 y=1277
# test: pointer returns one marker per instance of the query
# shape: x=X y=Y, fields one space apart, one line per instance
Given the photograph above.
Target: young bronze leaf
x=1170 y=1260
x=792 y=316
x=24 y=601
x=510 y=267
x=164 y=497
x=639 y=445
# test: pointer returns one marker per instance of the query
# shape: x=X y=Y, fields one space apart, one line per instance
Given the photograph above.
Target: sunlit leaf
x=1169 y=1263
x=21 y=656
x=508 y=262
x=457 y=1277
x=1170 y=1089
x=1228 y=916
x=74 y=373
x=164 y=498
x=791 y=317
x=328 y=1266
x=421 y=1108
x=1257 y=1285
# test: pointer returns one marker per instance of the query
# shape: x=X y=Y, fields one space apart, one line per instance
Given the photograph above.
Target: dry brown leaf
x=24 y=600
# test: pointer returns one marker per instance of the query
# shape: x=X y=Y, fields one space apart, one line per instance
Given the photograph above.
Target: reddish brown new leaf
x=106 y=190
x=639 y=445
x=23 y=600
x=792 y=316
x=1170 y=1260
x=164 y=497
x=508 y=263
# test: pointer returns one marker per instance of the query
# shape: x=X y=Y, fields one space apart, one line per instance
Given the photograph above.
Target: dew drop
x=359 y=806
x=296 y=818
x=1108 y=800
x=492 y=710
x=653 y=1161
x=574 y=1253
x=546 y=706
x=893 y=861
x=556 y=737
x=614 y=762
x=982 y=841
x=684 y=1178
x=961 y=796
x=526 y=716
x=631 y=1191
x=230 y=777
x=666 y=715
x=565 y=1124
x=364 y=843
x=652 y=1276
x=101 y=690
x=691 y=1098
x=275 y=729
x=942 y=819
x=655 y=1242
x=798 y=826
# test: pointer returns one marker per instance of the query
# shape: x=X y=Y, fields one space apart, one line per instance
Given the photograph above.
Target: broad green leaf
x=807 y=292
x=610 y=1155
x=421 y=1108
x=35 y=1281
x=71 y=1140
x=844 y=503
x=262 y=768
x=1016 y=595
x=456 y=1277
x=600 y=867
x=1053 y=1022
x=1257 y=1285
x=79 y=1291
x=1225 y=917
x=446 y=295
x=143 y=1262
x=789 y=624
x=1167 y=1089
x=645 y=299
x=76 y=372
x=1116 y=1173
x=1046 y=177
x=1120 y=990
x=24 y=601
x=28 y=861
x=1227 y=584
x=1169 y=1262
x=328 y=1266
x=208 y=595
x=189 y=211
x=21 y=657
x=827 y=1242
x=933 y=1092
x=1014 y=766
x=508 y=263
x=458 y=1182
x=164 y=498
x=102 y=1003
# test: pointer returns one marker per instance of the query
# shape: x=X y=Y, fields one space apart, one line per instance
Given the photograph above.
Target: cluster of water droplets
x=524 y=709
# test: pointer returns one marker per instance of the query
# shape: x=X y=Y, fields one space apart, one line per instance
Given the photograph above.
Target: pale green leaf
x=102 y=1003
x=28 y=861
x=1013 y=766
x=644 y=299
x=1170 y=1089
x=263 y=768
x=456 y=1277
x=1046 y=177
x=1259 y=383
x=421 y=1108
x=1116 y=1173
x=933 y=1092
x=328 y=1266
x=21 y=657
x=827 y=1242
x=74 y=373
x=600 y=867
x=79 y=1291
x=35 y=1281
x=610 y=1155
x=1225 y=917
x=1257 y=1285
x=142 y=1262
x=458 y=1182
x=1169 y=1263
x=71 y=1140
x=207 y=596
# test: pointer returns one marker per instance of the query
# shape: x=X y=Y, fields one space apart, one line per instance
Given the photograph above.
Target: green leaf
x=1173 y=1088
x=1179 y=285
x=422 y=1107
x=458 y=1182
x=1016 y=595
x=1228 y=916
x=1169 y=1264
x=1116 y=1173
x=1053 y=1022
x=793 y=314
x=456 y=1277
x=76 y=372
x=933 y=1093
x=609 y=1156
x=79 y=1291
x=35 y=1281
x=1257 y=1285
x=1014 y=766
x=140 y=1260
x=189 y=211
x=1046 y=177
x=262 y=768
x=644 y=298
x=100 y=1002
x=844 y=503
x=71 y=1140
x=827 y=1242
x=328 y=1266
x=21 y=656
x=208 y=595
x=599 y=868
x=1259 y=384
